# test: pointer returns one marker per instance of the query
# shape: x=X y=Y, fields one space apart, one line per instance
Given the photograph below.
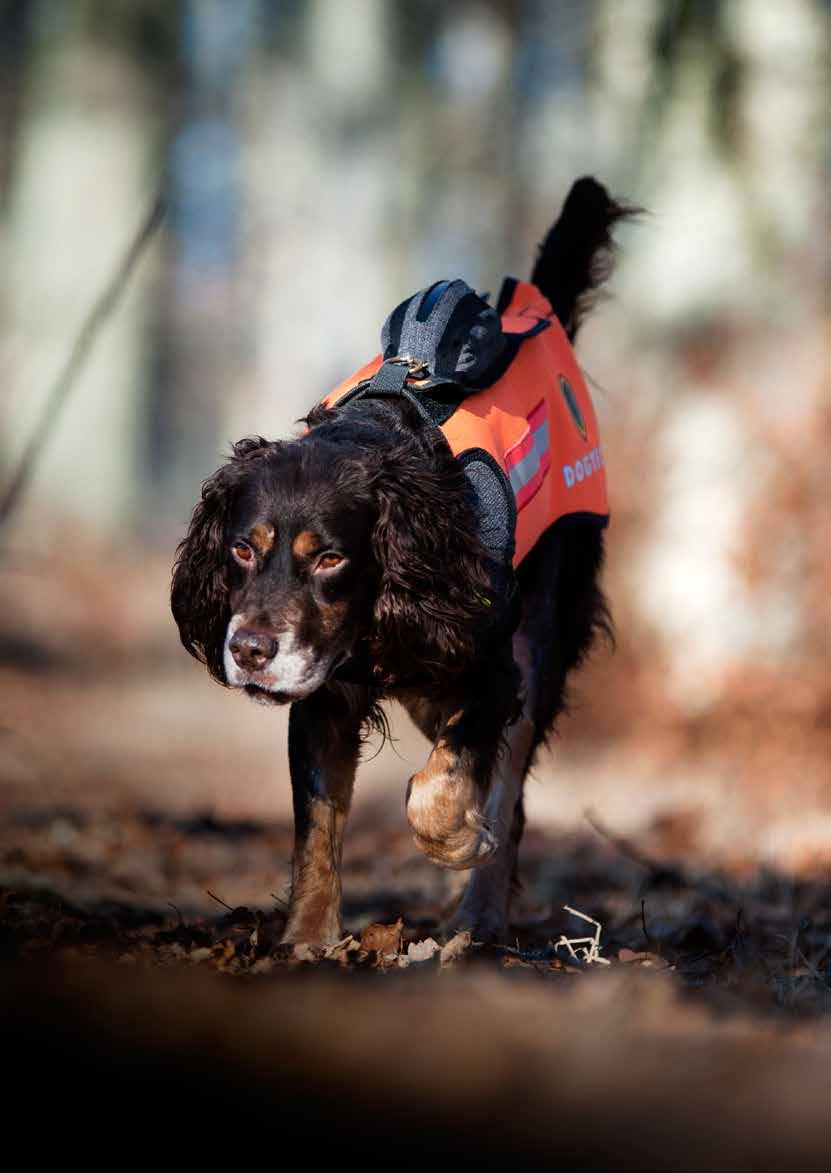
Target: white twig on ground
x=585 y=949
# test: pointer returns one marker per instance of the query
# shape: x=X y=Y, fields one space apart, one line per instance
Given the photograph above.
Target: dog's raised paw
x=446 y=823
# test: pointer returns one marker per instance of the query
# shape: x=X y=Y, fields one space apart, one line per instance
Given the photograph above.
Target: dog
x=361 y=561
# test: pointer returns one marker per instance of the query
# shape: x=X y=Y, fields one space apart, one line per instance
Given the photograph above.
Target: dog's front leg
x=446 y=799
x=324 y=741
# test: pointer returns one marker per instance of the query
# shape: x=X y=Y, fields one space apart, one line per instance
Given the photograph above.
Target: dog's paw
x=447 y=824
x=316 y=932
x=487 y=926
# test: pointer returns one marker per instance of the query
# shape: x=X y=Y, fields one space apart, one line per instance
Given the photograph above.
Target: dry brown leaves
x=79 y=888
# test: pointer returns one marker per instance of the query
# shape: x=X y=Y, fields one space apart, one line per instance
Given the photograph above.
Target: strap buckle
x=416 y=367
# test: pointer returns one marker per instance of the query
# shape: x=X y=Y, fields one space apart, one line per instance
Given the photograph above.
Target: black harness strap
x=435 y=399
x=389 y=379
x=389 y=382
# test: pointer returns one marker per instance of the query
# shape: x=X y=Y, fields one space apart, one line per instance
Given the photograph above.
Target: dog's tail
x=577 y=255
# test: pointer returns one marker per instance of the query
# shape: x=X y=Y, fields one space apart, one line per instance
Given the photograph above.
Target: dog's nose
x=252 y=649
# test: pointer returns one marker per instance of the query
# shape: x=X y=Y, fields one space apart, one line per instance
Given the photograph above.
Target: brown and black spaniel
x=347 y=566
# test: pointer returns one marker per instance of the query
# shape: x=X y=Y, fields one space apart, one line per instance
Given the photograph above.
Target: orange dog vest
x=535 y=420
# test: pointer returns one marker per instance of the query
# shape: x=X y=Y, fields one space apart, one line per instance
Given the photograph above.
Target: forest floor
x=144 y=854
x=143 y=888
x=133 y=992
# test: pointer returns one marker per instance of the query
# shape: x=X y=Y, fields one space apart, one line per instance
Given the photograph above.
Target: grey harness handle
x=448 y=330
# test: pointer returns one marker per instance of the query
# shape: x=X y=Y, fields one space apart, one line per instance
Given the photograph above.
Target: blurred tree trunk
x=321 y=182
x=198 y=327
x=14 y=22
x=77 y=192
x=461 y=104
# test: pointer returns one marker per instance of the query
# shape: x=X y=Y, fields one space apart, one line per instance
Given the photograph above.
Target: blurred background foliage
x=320 y=160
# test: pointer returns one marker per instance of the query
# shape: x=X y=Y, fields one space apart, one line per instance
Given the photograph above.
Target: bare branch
x=78 y=355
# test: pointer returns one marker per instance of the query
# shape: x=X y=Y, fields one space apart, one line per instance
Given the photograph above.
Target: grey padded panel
x=495 y=509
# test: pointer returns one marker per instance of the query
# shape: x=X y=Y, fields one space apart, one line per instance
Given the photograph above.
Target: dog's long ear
x=199 y=592
x=434 y=590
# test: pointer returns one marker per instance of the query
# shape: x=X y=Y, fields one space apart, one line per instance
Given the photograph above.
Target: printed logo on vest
x=582 y=469
x=573 y=407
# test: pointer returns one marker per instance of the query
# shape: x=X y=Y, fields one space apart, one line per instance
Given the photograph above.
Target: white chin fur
x=294 y=671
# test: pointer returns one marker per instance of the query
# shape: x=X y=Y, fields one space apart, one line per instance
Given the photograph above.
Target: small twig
x=218 y=900
x=812 y=968
x=587 y=948
x=68 y=376
x=178 y=913
x=631 y=852
x=646 y=935
x=660 y=872
x=333 y=949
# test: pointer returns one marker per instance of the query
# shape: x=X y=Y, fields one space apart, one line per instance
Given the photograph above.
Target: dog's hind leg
x=563 y=612
x=324 y=743
x=485 y=902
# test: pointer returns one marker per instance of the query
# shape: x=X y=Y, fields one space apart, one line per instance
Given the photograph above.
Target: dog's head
x=300 y=554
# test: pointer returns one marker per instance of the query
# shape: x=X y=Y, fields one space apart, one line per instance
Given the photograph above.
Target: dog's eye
x=328 y=561
x=243 y=553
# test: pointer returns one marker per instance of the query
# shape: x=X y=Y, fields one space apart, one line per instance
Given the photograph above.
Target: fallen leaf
x=423 y=950
x=223 y=952
x=304 y=952
x=629 y=955
x=646 y=960
x=513 y=962
x=455 y=948
x=342 y=950
x=385 y=940
x=264 y=965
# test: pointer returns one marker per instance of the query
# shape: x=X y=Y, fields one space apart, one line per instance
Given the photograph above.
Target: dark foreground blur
x=473 y=1069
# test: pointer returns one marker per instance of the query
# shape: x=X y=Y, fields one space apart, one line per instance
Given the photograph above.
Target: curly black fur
x=565 y=612
x=427 y=620
x=199 y=592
